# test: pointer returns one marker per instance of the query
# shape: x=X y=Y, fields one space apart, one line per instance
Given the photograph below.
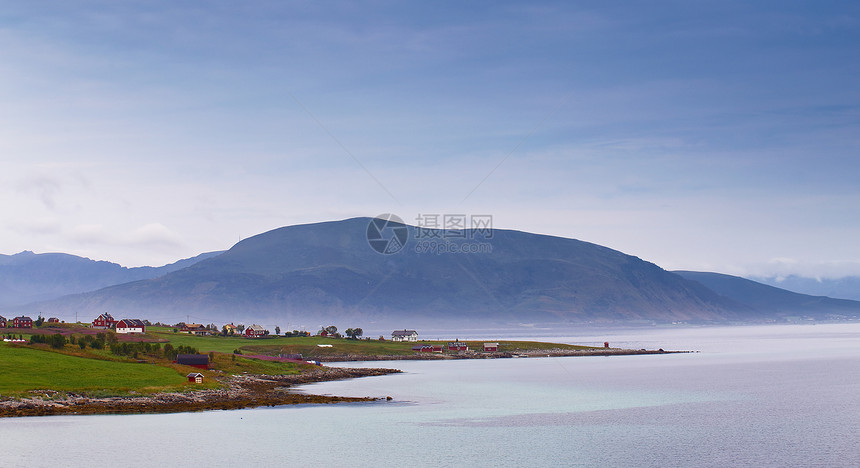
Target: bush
x=57 y=341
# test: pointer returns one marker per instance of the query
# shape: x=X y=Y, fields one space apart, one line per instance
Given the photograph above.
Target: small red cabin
x=491 y=347
x=458 y=346
x=195 y=377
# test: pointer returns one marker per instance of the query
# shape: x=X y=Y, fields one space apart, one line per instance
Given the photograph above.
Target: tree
x=354 y=333
x=331 y=330
x=39 y=321
x=240 y=327
x=277 y=330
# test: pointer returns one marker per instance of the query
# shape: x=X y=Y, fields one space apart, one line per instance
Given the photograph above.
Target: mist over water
x=753 y=396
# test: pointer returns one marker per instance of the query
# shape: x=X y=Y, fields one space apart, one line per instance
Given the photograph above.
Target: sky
x=719 y=136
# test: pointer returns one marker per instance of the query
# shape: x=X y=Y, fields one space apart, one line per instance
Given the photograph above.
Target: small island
x=59 y=368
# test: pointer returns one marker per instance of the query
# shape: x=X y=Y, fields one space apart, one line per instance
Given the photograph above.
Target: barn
x=130 y=326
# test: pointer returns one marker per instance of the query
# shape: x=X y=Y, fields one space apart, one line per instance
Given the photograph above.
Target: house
x=404 y=335
x=427 y=349
x=255 y=331
x=200 y=361
x=491 y=347
x=104 y=321
x=195 y=377
x=53 y=320
x=229 y=329
x=457 y=346
x=22 y=322
x=194 y=329
x=130 y=326
x=2 y=321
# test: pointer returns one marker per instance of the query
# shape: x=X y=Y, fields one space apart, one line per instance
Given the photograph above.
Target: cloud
x=154 y=234
x=43 y=187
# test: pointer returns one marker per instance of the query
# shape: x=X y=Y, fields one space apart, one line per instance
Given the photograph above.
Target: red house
x=2 y=321
x=53 y=320
x=491 y=347
x=255 y=331
x=195 y=377
x=104 y=321
x=457 y=346
x=22 y=322
x=427 y=349
x=194 y=329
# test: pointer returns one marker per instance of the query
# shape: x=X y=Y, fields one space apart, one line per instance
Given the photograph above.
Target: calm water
x=754 y=396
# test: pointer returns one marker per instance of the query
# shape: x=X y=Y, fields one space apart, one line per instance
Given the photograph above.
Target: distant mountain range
x=844 y=288
x=769 y=300
x=28 y=277
x=330 y=272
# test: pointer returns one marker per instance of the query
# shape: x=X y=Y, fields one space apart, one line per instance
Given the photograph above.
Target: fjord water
x=753 y=396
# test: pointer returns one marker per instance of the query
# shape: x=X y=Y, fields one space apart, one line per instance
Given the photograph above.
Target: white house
x=130 y=326
x=404 y=335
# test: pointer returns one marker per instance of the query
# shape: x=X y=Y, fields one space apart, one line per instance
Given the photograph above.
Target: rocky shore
x=241 y=391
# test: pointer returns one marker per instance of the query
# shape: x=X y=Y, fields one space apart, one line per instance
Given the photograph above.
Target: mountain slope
x=28 y=277
x=771 y=300
x=324 y=272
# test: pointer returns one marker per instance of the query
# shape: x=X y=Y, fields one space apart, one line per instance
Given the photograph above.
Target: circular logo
x=387 y=234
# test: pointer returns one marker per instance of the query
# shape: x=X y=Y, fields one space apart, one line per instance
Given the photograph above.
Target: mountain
x=28 y=277
x=332 y=272
x=774 y=301
x=329 y=273
x=844 y=288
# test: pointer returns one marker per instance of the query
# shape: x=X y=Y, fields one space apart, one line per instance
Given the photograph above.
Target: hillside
x=28 y=277
x=318 y=273
x=847 y=287
x=772 y=301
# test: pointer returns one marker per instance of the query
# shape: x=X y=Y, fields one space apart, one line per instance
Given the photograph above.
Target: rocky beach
x=241 y=391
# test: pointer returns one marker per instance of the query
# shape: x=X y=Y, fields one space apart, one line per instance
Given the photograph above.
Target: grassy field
x=308 y=346
x=25 y=369
x=100 y=372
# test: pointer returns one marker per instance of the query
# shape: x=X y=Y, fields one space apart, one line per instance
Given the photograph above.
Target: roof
x=194 y=325
x=133 y=323
x=105 y=316
x=255 y=328
x=192 y=359
x=194 y=374
x=23 y=317
x=404 y=333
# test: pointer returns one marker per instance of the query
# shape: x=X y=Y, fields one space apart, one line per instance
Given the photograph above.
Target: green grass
x=307 y=346
x=24 y=369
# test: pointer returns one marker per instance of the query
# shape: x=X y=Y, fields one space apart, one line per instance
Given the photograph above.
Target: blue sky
x=716 y=136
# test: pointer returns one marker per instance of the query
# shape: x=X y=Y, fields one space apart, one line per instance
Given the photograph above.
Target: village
x=132 y=326
x=53 y=367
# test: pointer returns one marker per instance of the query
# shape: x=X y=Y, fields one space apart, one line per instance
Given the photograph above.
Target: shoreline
x=554 y=352
x=242 y=391
x=256 y=390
